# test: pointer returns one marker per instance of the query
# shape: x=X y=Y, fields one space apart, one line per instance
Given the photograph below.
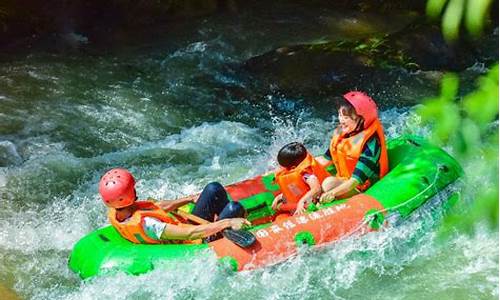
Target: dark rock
x=423 y=45
x=416 y=56
x=305 y=69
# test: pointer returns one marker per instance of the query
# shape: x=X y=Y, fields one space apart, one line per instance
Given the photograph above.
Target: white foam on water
x=366 y=266
x=55 y=226
x=183 y=163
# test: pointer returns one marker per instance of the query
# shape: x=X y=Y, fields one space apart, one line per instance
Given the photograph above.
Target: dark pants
x=213 y=201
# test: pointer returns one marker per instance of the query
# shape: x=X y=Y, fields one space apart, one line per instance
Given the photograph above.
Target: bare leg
x=348 y=194
x=331 y=182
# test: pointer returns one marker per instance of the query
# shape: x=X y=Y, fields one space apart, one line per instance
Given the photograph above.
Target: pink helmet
x=364 y=106
x=117 y=188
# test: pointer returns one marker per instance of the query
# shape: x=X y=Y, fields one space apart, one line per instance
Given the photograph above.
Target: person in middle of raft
x=299 y=179
x=357 y=149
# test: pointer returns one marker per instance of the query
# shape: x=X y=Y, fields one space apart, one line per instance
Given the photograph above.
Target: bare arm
x=170 y=205
x=193 y=232
x=315 y=190
x=192 y=198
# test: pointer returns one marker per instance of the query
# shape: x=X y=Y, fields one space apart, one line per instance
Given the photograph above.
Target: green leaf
x=449 y=86
x=472 y=137
x=475 y=15
x=452 y=18
x=482 y=104
x=435 y=7
x=470 y=127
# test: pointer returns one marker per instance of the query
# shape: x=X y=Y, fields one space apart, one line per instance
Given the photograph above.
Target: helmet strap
x=359 y=124
x=358 y=128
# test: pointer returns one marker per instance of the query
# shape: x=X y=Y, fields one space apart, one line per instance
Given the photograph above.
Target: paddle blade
x=241 y=238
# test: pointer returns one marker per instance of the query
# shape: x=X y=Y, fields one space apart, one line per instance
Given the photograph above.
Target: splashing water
x=379 y=262
x=167 y=116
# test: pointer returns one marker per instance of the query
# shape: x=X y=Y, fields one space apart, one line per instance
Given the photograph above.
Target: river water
x=160 y=109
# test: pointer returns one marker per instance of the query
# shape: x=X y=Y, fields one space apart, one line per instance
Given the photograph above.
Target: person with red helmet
x=150 y=222
x=357 y=148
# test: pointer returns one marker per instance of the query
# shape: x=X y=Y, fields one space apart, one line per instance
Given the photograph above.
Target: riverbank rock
x=417 y=55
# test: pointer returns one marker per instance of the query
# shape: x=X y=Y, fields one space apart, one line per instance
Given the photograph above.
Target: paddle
x=240 y=237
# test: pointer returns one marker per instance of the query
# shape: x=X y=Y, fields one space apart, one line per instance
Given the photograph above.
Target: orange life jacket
x=132 y=230
x=345 y=151
x=292 y=183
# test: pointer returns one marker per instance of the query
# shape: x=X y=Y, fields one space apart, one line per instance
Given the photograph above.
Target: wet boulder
x=308 y=69
x=387 y=62
x=8 y=154
x=423 y=45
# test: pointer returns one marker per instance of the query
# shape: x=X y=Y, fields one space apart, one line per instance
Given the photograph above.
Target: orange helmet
x=364 y=106
x=117 y=188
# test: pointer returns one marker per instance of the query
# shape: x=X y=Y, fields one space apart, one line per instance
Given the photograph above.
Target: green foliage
x=474 y=12
x=373 y=51
x=469 y=126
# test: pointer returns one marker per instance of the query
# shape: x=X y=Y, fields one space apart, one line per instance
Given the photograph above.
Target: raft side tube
x=104 y=251
x=419 y=170
x=279 y=240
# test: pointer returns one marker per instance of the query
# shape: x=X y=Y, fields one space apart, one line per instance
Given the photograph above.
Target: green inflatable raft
x=418 y=172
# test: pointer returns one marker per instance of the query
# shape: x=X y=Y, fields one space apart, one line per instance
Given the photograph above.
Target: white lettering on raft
x=288 y=224
x=262 y=233
x=315 y=216
x=303 y=219
x=328 y=211
x=276 y=228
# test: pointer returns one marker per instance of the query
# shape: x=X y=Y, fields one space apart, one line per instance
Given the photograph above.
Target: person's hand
x=238 y=223
x=327 y=197
x=300 y=209
x=277 y=201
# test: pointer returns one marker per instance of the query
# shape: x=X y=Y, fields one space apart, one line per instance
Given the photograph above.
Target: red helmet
x=117 y=188
x=364 y=106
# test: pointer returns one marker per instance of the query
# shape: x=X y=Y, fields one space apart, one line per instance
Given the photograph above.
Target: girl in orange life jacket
x=149 y=222
x=357 y=148
x=299 y=180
